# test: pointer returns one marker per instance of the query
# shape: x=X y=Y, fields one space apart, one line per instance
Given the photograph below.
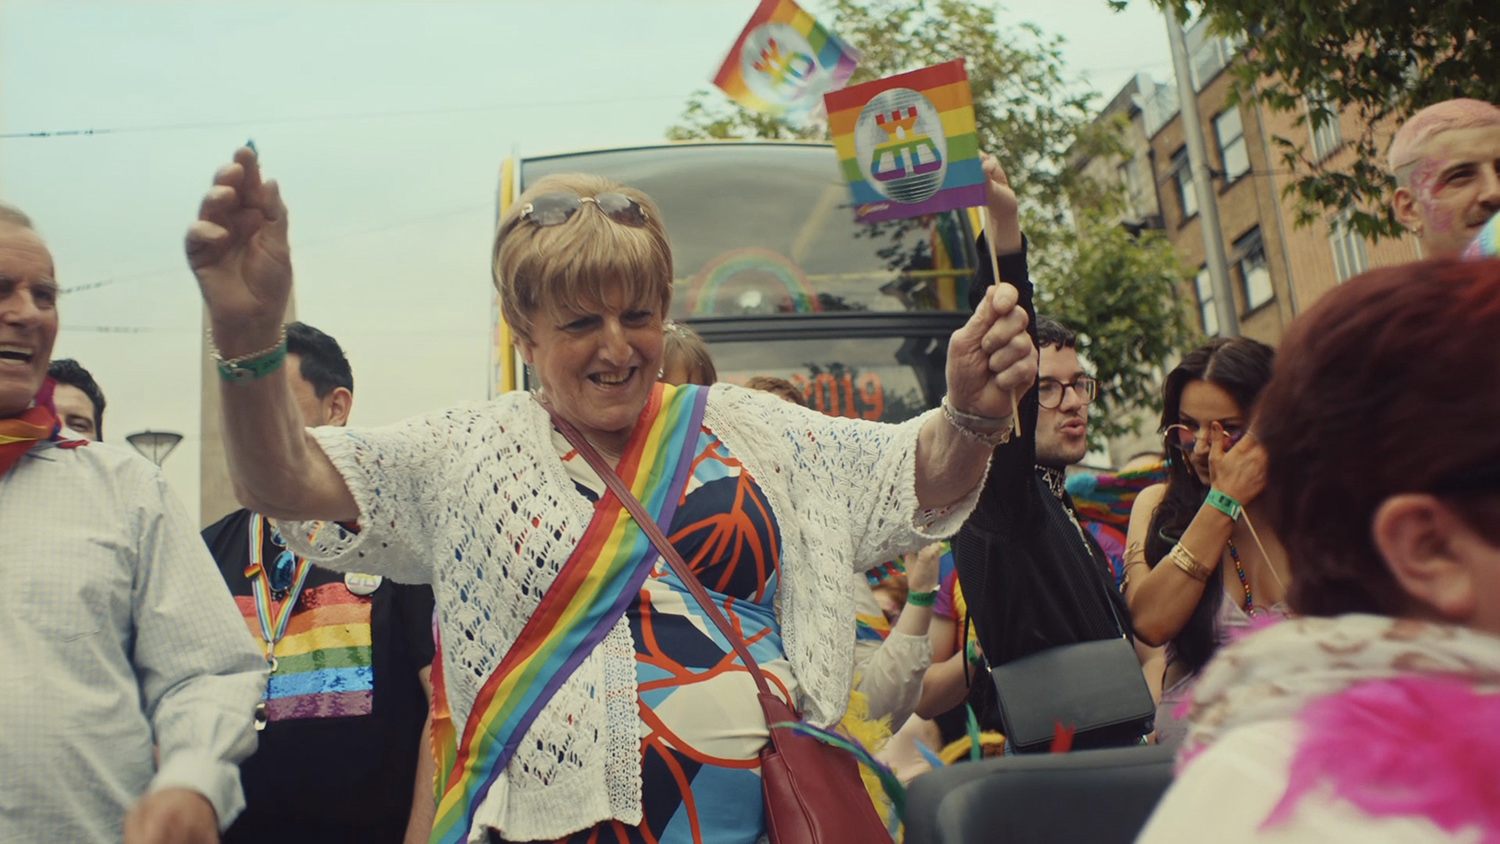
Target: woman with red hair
x=1375 y=715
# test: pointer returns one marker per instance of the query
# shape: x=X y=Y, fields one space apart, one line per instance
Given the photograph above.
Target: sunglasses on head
x=554 y=209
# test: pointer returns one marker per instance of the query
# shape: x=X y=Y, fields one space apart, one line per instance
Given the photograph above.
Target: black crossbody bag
x=1094 y=688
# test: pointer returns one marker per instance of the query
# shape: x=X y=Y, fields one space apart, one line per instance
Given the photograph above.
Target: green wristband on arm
x=1225 y=504
x=921 y=599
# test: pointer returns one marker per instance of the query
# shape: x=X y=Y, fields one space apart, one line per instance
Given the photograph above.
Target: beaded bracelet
x=921 y=599
x=981 y=429
x=252 y=366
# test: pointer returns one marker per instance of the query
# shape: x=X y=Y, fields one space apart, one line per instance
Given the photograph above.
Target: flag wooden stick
x=1015 y=404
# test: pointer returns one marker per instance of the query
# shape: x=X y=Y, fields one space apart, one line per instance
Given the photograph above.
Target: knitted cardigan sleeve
x=861 y=474
x=396 y=474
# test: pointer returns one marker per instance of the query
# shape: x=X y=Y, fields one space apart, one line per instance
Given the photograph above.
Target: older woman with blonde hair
x=588 y=693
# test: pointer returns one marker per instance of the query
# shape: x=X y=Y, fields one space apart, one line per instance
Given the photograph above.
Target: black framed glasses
x=554 y=209
x=1049 y=393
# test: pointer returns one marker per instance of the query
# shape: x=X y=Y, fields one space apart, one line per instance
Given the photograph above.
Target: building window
x=1206 y=308
x=1182 y=176
x=1349 y=258
x=1255 y=273
x=1232 y=151
x=1325 y=138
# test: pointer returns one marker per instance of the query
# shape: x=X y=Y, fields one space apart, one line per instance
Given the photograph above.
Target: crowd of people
x=453 y=629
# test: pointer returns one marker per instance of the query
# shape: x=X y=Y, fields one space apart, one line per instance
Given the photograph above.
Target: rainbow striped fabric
x=590 y=593
x=784 y=61
x=323 y=665
x=907 y=144
x=1487 y=244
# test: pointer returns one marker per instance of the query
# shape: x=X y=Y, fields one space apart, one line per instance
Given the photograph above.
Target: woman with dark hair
x=1381 y=701
x=1196 y=567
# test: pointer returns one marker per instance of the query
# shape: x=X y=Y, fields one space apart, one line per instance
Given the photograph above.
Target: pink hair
x=1406 y=146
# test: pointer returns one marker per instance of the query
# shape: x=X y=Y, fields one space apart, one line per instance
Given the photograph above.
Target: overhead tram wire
x=301 y=247
x=326 y=118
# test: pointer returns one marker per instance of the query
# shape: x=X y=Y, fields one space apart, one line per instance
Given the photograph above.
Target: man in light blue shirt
x=130 y=680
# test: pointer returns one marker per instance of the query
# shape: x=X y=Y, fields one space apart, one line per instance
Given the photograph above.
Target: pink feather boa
x=1417 y=745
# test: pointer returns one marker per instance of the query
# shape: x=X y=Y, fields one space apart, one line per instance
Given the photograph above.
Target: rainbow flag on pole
x=784 y=61
x=907 y=143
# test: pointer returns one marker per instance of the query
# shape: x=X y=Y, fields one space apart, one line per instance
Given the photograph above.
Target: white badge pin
x=362 y=584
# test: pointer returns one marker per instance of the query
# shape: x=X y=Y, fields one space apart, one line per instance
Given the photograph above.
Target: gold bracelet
x=1183 y=559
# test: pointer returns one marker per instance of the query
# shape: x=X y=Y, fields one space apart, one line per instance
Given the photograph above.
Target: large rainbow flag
x=784 y=61
x=907 y=143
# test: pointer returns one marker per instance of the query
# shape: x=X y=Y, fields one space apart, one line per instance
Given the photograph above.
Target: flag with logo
x=785 y=61
x=907 y=143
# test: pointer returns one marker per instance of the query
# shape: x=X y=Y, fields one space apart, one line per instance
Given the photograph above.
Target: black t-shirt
x=337 y=759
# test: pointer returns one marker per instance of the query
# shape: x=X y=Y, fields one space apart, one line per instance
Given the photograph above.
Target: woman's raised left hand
x=991 y=360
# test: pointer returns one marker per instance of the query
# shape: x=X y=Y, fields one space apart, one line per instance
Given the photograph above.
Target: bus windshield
x=766 y=229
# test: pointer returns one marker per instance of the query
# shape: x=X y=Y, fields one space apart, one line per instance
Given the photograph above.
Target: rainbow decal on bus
x=784 y=61
x=907 y=144
x=708 y=284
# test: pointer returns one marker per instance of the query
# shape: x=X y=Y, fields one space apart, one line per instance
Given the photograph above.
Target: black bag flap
x=1085 y=686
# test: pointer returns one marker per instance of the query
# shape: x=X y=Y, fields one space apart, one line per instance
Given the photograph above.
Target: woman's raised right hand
x=1237 y=470
x=238 y=250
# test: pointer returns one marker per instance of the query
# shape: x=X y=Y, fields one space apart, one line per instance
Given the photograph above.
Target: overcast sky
x=386 y=123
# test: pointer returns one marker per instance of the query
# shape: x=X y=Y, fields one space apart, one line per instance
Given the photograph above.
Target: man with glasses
x=1034 y=578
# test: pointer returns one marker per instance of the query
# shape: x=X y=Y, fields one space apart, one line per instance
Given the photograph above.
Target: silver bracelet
x=218 y=357
x=980 y=429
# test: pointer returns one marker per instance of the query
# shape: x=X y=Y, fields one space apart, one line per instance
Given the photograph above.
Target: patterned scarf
x=36 y=424
x=1398 y=716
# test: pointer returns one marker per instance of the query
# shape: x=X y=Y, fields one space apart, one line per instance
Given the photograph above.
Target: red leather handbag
x=813 y=792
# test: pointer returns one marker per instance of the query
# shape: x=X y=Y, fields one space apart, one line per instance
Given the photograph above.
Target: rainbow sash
x=593 y=590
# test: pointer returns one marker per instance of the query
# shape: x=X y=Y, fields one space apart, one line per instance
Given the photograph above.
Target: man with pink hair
x=1446 y=160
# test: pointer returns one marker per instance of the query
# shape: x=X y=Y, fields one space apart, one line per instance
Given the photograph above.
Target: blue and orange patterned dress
x=702 y=729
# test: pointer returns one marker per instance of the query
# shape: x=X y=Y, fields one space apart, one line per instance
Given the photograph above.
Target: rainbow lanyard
x=272 y=628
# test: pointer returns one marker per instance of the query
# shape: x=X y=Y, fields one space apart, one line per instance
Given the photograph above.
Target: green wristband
x=250 y=369
x=921 y=599
x=1225 y=504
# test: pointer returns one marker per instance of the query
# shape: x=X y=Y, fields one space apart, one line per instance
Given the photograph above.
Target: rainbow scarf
x=598 y=583
x=36 y=424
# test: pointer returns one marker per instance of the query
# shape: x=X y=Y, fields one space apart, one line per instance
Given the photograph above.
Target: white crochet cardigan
x=475 y=501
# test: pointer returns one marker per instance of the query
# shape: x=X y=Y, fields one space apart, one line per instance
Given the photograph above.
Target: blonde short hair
x=11 y=215
x=1446 y=116
x=683 y=345
x=550 y=270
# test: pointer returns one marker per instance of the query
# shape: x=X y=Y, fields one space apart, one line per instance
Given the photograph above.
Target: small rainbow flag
x=907 y=143
x=784 y=61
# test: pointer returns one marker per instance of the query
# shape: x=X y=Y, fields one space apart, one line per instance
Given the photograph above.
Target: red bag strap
x=663 y=546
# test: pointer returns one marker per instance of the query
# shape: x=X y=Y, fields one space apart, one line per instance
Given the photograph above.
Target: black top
x=1032 y=579
x=337 y=760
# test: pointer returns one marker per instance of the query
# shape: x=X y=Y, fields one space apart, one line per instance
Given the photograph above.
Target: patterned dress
x=702 y=727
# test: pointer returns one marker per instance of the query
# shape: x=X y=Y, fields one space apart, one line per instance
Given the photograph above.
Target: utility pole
x=1208 y=206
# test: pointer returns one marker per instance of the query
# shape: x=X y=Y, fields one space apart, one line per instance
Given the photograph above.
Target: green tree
x=1036 y=123
x=1378 y=59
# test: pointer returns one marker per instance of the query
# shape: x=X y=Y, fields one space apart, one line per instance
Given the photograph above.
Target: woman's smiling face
x=598 y=367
